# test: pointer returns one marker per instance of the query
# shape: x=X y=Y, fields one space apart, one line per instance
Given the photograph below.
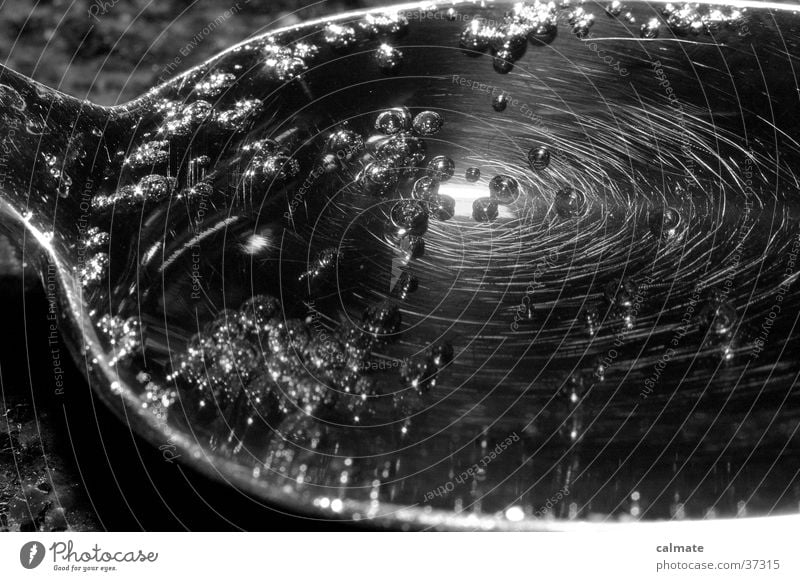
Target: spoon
x=452 y=265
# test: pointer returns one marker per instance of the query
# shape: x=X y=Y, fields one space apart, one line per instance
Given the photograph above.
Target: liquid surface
x=538 y=265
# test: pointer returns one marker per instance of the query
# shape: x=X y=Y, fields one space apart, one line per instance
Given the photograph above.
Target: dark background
x=65 y=462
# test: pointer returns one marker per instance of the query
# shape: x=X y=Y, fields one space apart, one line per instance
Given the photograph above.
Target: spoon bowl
x=456 y=265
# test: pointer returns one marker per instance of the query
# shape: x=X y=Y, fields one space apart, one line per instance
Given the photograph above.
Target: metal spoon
x=460 y=265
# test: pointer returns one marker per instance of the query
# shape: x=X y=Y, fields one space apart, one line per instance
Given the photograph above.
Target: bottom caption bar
x=760 y=548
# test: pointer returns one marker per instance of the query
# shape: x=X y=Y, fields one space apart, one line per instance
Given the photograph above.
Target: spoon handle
x=51 y=152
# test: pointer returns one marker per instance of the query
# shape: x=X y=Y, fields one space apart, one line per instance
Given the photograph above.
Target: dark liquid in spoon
x=374 y=266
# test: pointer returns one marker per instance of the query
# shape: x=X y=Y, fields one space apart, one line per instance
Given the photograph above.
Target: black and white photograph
x=455 y=288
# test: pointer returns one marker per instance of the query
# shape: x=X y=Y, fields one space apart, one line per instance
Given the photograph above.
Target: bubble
x=237 y=118
x=443 y=207
x=95 y=238
x=393 y=121
x=389 y=59
x=442 y=168
x=539 y=158
x=544 y=33
x=575 y=16
x=214 y=84
x=223 y=328
x=581 y=29
x=197 y=112
x=345 y=144
x=378 y=178
x=340 y=38
x=473 y=174
x=581 y=22
x=94 y=268
x=713 y=20
x=503 y=62
x=380 y=173
x=614 y=8
x=256 y=312
x=504 y=189
x=569 y=202
x=650 y=28
x=410 y=217
x=500 y=102
x=428 y=123
x=401 y=150
x=666 y=224
x=156 y=187
x=484 y=209
x=425 y=188
x=270 y=162
x=475 y=36
x=149 y=153
x=199 y=162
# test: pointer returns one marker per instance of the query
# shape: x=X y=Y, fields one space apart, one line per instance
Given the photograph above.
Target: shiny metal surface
x=604 y=332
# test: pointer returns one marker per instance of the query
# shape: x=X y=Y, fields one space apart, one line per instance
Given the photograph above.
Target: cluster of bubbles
x=581 y=21
x=535 y=22
x=123 y=335
x=694 y=19
x=538 y=22
x=256 y=362
x=285 y=63
x=384 y=27
x=269 y=161
x=261 y=362
x=151 y=188
x=618 y=10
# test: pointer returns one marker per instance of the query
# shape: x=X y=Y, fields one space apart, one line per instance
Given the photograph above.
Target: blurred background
x=67 y=463
x=110 y=51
